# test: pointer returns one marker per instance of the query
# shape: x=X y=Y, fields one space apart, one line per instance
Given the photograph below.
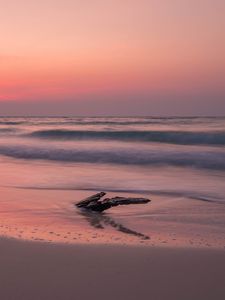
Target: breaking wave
x=208 y=159
x=173 y=137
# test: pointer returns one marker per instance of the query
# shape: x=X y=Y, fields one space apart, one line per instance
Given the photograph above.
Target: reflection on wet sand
x=100 y=220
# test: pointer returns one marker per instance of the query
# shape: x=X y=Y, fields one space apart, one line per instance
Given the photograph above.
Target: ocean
x=175 y=161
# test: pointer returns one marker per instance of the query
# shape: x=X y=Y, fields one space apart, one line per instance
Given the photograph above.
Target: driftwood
x=95 y=203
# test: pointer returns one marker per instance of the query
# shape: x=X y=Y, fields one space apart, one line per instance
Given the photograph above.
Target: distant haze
x=115 y=57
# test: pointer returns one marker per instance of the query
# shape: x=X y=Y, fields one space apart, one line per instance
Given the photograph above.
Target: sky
x=112 y=57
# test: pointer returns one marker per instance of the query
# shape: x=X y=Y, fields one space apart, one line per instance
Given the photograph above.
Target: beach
x=50 y=215
x=49 y=271
x=170 y=248
x=115 y=255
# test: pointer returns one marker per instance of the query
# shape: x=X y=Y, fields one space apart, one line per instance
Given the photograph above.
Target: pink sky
x=144 y=50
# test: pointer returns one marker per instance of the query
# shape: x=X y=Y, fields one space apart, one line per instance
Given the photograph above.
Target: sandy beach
x=52 y=251
x=49 y=271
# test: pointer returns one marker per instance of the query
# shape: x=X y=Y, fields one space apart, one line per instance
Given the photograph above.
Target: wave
x=11 y=122
x=208 y=159
x=7 y=130
x=173 y=137
x=109 y=120
x=114 y=121
x=206 y=197
x=118 y=122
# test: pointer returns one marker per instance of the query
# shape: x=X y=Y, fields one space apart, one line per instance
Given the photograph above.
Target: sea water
x=179 y=163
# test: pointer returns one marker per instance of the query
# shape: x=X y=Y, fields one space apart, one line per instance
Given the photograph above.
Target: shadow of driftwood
x=99 y=221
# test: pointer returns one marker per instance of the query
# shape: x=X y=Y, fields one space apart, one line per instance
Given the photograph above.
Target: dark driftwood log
x=95 y=203
x=94 y=198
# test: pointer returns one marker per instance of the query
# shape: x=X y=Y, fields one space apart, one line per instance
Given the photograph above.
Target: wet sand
x=50 y=215
x=49 y=271
x=172 y=248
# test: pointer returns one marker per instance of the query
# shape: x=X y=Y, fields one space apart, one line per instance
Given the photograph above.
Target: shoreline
x=51 y=271
x=140 y=244
x=43 y=215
